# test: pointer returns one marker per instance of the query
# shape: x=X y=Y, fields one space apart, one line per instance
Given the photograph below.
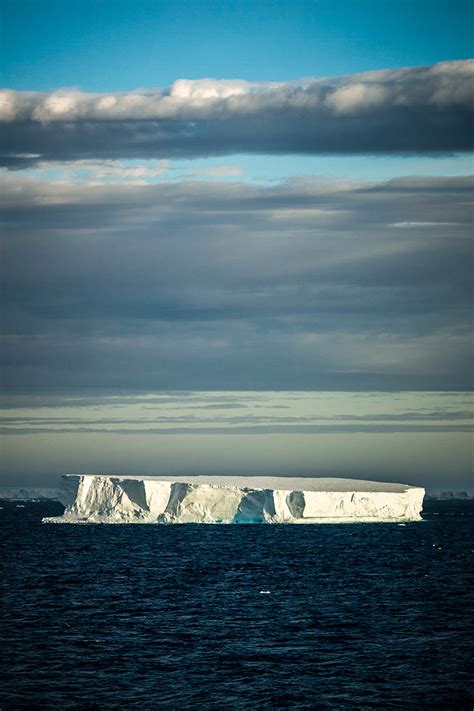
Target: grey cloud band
x=303 y=285
x=406 y=110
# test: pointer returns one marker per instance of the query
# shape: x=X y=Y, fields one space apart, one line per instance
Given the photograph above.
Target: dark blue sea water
x=360 y=616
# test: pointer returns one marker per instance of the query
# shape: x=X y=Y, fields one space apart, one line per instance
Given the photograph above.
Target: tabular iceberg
x=222 y=499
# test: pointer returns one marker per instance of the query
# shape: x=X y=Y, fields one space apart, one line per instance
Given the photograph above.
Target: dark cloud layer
x=416 y=109
x=252 y=429
x=304 y=285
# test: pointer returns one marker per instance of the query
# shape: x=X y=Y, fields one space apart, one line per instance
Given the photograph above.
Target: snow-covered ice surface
x=223 y=499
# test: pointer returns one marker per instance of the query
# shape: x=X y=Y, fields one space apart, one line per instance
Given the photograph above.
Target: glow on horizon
x=417 y=438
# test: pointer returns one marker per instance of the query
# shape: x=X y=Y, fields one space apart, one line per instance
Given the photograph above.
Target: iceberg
x=225 y=499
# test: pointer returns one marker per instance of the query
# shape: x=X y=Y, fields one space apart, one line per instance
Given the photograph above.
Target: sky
x=237 y=237
x=118 y=45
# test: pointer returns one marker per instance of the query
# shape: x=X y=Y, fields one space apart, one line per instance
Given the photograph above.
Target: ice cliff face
x=206 y=499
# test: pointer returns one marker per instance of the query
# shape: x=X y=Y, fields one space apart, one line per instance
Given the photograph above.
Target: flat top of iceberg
x=271 y=482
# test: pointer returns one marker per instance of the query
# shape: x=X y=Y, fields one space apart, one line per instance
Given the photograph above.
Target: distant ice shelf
x=29 y=494
x=223 y=499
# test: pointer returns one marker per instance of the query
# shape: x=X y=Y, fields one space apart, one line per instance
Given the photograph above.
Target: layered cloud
x=405 y=110
x=250 y=413
x=198 y=285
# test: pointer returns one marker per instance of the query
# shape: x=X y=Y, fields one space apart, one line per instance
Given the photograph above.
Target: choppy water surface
x=173 y=617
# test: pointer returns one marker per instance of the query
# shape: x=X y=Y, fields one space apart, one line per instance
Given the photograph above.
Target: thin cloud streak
x=242 y=430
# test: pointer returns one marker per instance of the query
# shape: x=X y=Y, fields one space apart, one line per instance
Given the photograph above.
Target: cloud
x=252 y=429
x=100 y=172
x=217 y=171
x=205 y=285
x=405 y=110
x=258 y=413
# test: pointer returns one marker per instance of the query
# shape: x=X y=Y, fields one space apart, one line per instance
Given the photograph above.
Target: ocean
x=352 y=616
